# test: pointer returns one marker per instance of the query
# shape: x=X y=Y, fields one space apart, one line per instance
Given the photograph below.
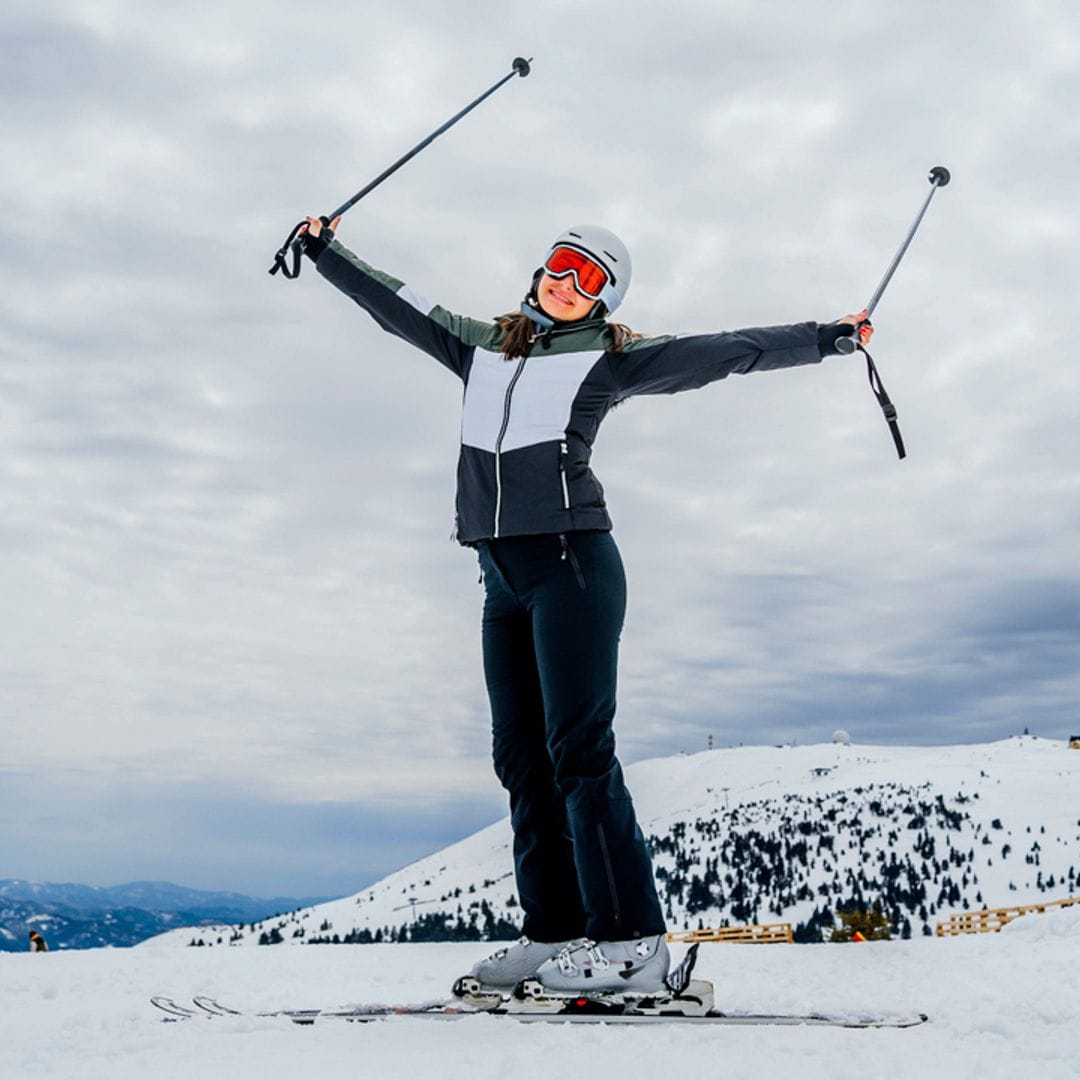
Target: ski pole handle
x=847 y=345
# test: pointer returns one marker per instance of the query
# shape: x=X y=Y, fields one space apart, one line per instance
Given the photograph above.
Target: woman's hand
x=315 y=237
x=860 y=320
x=315 y=225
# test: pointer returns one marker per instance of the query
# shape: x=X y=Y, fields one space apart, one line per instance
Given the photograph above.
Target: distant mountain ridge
x=766 y=834
x=74 y=916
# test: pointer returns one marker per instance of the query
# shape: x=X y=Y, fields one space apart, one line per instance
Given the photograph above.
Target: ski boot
x=491 y=980
x=677 y=994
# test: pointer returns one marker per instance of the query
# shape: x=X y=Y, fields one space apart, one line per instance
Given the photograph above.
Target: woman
x=537 y=384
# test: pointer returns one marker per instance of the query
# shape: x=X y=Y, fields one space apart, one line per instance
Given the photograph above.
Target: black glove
x=828 y=335
x=314 y=246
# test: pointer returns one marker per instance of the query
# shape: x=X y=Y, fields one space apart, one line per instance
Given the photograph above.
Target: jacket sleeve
x=449 y=338
x=666 y=365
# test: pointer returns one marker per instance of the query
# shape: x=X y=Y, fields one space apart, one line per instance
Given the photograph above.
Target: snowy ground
x=1002 y=1005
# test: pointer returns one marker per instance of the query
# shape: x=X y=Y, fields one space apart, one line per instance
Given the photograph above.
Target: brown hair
x=519 y=332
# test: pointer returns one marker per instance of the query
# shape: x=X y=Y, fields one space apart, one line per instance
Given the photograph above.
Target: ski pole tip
x=939 y=175
x=521 y=65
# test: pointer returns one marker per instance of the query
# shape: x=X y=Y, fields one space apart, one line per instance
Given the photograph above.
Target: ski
x=174 y=1010
x=682 y=1000
x=554 y=1010
x=212 y=1007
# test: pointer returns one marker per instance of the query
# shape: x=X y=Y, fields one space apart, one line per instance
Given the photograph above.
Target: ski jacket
x=529 y=424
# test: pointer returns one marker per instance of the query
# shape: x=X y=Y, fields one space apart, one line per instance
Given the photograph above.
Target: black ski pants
x=553 y=613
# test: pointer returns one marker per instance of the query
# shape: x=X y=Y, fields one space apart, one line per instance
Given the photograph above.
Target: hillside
x=761 y=834
x=75 y=916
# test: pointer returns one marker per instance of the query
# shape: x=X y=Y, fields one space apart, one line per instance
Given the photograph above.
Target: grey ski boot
x=506 y=967
x=639 y=966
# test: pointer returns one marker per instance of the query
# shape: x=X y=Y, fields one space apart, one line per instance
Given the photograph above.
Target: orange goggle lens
x=589 y=276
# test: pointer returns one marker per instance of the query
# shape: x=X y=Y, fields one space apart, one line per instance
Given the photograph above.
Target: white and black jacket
x=529 y=424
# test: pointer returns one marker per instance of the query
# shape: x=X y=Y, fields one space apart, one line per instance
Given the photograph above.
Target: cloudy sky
x=237 y=646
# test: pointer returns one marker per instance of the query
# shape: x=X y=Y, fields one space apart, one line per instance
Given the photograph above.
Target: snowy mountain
x=74 y=916
x=764 y=834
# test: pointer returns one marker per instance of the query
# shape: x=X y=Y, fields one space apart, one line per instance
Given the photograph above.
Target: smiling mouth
x=562 y=298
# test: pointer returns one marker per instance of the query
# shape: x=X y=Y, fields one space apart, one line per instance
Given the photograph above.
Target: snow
x=1001 y=1005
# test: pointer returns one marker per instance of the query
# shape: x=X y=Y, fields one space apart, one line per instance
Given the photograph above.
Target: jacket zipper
x=498 y=442
x=562 y=476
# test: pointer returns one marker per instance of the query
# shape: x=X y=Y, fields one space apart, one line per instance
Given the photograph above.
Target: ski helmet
x=604 y=248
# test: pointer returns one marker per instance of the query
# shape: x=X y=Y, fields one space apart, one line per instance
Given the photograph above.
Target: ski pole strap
x=293 y=245
x=887 y=407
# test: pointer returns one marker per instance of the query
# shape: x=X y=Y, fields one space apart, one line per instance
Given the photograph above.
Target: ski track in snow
x=1001 y=1005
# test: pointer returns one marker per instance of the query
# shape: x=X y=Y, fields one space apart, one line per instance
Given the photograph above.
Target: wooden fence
x=965 y=922
x=993 y=919
x=747 y=935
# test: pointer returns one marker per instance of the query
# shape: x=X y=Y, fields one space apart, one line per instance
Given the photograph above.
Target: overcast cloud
x=237 y=647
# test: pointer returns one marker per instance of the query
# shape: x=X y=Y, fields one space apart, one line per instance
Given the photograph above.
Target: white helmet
x=606 y=249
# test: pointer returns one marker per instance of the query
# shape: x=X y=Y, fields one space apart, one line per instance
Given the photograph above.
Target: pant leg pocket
x=569 y=557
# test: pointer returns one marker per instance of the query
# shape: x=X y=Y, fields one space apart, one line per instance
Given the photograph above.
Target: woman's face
x=560 y=299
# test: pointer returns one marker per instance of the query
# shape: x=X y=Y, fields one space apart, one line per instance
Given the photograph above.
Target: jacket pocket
x=562 y=476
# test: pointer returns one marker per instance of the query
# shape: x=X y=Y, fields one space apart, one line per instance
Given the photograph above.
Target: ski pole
x=520 y=67
x=939 y=177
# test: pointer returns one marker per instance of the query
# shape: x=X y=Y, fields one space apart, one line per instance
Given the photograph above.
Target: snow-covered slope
x=1001 y=1006
x=760 y=834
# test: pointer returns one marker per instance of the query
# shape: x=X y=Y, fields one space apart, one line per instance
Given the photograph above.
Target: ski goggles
x=590 y=277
